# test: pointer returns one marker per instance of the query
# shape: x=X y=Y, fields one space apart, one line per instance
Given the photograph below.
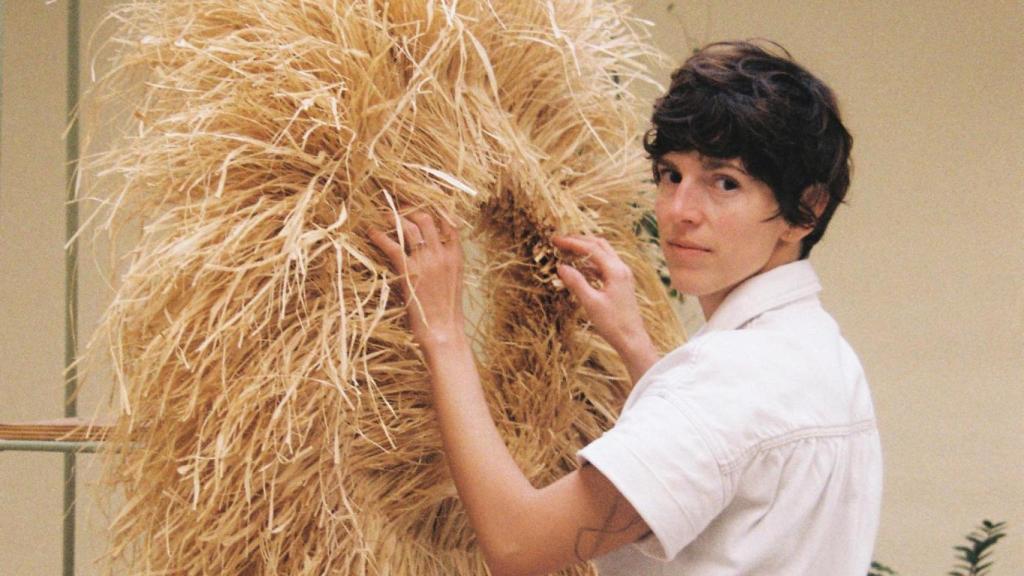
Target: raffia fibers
x=273 y=416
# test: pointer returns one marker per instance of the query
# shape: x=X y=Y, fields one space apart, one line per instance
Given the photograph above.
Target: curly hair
x=739 y=100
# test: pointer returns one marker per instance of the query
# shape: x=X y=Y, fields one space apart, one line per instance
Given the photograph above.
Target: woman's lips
x=688 y=247
x=686 y=252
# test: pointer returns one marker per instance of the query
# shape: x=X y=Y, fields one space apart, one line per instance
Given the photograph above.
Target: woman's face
x=718 y=226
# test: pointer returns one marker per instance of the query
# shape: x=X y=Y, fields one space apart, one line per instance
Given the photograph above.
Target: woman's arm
x=520 y=529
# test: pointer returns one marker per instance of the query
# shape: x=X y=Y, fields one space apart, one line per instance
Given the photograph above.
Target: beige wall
x=924 y=269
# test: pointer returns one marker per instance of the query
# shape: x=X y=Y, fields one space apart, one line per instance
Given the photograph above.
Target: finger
x=426 y=226
x=606 y=246
x=411 y=234
x=606 y=259
x=447 y=229
x=389 y=247
x=577 y=244
x=407 y=233
x=451 y=235
x=576 y=282
x=594 y=242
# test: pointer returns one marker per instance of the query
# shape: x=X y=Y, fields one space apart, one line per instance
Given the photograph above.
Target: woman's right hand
x=612 y=309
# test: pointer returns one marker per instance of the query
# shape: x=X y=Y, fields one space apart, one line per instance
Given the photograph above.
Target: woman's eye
x=668 y=175
x=727 y=184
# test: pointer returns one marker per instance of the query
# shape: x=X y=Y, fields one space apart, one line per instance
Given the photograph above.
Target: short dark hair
x=738 y=99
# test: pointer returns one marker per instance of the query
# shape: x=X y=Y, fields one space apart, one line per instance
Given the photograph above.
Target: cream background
x=924 y=268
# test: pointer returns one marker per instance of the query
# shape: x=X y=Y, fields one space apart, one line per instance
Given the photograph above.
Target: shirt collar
x=758 y=294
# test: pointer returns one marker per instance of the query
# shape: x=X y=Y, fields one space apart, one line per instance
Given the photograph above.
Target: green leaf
x=978 y=553
x=650 y=224
x=879 y=569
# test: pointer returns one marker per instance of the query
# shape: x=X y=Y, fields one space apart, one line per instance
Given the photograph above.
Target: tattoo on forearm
x=589 y=540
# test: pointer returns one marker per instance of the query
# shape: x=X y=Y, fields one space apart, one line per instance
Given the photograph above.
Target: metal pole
x=48 y=446
x=2 y=13
x=71 y=285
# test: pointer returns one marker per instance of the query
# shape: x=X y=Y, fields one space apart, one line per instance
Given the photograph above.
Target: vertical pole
x=2 y=14
x=71 y=284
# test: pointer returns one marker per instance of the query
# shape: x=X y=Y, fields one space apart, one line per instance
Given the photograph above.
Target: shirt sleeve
x=660 y=461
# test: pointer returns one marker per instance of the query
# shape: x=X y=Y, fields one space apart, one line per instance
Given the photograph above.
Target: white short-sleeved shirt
x=753 y=448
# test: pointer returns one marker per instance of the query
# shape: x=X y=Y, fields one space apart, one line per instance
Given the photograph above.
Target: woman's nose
x=685 y=202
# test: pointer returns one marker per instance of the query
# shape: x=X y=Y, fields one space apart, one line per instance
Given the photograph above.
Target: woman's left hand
x=430 y=263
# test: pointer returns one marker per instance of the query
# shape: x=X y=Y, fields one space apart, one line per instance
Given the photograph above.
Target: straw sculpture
x=273 y=413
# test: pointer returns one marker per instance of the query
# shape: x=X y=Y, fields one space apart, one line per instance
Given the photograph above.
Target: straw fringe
x=273 y=412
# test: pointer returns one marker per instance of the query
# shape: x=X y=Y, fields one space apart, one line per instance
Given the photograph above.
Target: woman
x=753 y=448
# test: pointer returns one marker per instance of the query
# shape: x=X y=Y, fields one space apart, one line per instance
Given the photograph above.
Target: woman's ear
x=815 y=196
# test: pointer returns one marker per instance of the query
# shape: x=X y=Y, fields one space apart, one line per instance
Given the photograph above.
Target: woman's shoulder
x=748 y=355
x=747 y=386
